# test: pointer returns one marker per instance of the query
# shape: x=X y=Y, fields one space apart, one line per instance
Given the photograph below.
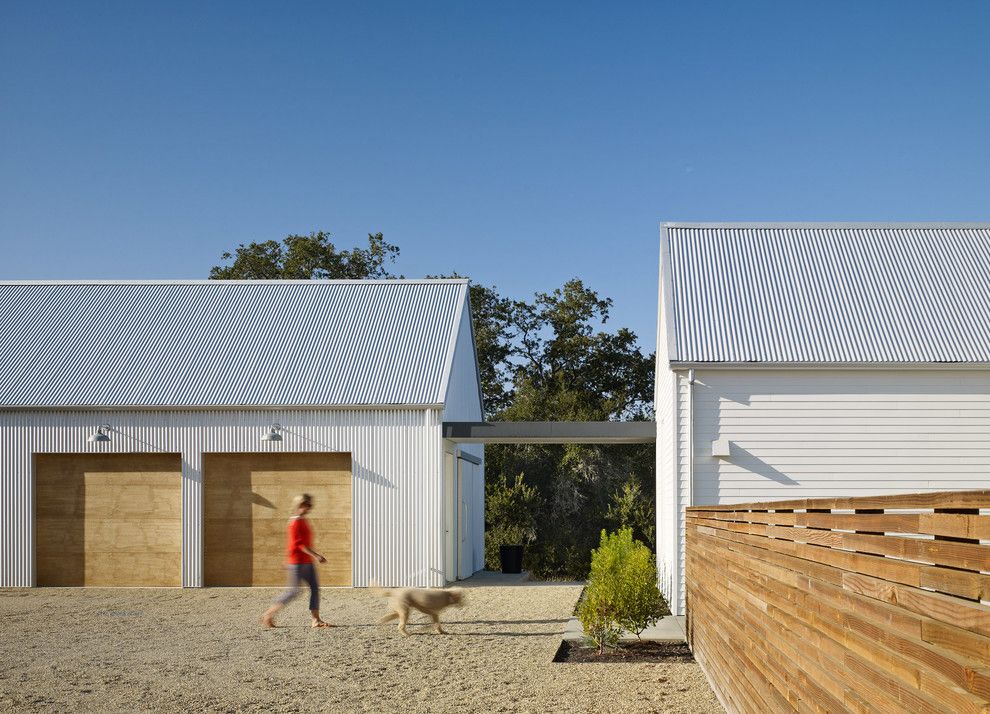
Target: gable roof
x=307 y=343
x=854 y=293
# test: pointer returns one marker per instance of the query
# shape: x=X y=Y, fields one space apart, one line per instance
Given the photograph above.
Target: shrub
x=597 y=613
x=622 y=590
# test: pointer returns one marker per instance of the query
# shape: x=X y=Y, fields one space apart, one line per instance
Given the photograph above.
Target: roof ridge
x=207 y=281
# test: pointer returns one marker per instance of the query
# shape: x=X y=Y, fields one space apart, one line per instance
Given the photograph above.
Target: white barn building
x=154 y=432
x=818 y=360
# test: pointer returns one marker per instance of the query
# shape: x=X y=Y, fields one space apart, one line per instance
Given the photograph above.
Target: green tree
x=493 y=318
x=300 y=257
x=546 y=359
x=631 y=509
x=563 y=365
x=510 y=505
x=567 y=369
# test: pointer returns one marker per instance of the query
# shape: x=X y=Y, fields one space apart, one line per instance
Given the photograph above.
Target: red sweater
x=299 y=535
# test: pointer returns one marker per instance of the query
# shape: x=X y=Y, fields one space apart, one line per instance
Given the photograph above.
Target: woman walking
x=300 y=556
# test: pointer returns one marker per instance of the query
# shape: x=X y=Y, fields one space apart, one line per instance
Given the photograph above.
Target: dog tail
x=377 y=589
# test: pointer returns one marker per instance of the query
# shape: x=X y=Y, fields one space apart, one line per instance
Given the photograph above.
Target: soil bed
x=629 y=652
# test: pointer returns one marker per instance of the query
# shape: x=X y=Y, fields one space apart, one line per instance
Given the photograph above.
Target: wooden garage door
x=108 y=519
x=246 y=505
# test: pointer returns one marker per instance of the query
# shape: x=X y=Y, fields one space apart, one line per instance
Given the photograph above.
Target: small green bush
x=597 y=613
x=622 y=590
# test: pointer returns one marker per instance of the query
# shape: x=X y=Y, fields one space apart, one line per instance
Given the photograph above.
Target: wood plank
x=977 y=498
x=956 y=639
x=971 y=616
x=144 y=570
x=951 y=581
x=108 y=519
x=965 y=556
x=247 y=499
x=813 y=647
x=774 y=607
x=891 y=660
x=943 y=524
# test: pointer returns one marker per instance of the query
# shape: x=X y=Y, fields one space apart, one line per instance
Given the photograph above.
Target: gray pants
x=297 y=574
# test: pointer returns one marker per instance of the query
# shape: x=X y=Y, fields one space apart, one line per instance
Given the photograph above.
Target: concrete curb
x=667 y=629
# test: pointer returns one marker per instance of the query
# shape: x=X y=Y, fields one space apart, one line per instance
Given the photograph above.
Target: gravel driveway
x=203 y=649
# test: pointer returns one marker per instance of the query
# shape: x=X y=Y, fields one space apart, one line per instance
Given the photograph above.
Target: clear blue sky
x=521 y=144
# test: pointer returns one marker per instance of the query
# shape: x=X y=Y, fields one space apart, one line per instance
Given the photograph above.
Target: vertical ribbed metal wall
x=397 y=477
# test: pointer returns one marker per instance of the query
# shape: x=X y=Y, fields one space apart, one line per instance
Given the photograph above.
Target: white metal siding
x=829 y=293
x=463 y=397
x=397 y=477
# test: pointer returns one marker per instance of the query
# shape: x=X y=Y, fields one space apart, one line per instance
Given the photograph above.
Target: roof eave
x=826 y=224
x=334 y=281
x=699 y=364
x=211 y=407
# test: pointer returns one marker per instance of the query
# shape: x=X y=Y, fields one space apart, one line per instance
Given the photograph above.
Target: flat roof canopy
x=551 y=432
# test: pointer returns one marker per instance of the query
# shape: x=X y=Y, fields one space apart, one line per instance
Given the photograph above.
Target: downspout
x=690 y=483
x=690 y=496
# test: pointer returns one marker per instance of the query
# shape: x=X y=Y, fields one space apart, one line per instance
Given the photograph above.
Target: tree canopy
x=300 y=257
x=548 y=358
x=565 y=366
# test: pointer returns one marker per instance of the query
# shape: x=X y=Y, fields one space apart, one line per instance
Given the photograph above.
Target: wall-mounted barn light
x=273 y=433
x=101 y=434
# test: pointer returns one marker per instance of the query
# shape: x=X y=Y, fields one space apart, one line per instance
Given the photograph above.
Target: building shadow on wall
x=228 y=527
x=357 y=470
x=746 y=459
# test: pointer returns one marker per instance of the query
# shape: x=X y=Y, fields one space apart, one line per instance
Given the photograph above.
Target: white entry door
x=450 y=508
x=465 y=489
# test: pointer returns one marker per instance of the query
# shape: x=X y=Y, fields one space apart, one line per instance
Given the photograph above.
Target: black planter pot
x=511 y=557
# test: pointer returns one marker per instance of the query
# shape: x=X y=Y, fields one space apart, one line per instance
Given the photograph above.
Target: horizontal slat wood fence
x=831 y=605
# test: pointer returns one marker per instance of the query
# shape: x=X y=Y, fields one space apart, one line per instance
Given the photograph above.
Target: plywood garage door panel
x=108 y=519
x=246 y=505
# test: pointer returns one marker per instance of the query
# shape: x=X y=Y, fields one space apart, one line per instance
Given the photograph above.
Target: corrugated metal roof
x=227 y=343
x=823 y=293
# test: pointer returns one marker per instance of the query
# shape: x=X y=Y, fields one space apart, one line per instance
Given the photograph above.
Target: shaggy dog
x=429 y=601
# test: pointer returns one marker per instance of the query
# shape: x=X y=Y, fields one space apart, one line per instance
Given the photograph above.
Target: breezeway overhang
x=551 y=432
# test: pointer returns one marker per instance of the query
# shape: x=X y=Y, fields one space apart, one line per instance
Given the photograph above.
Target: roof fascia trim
x=455 y=330
x=666 y=295
x=213 y=408
x=474 y=351
x=395 y=281
x=675 y=365
x=827 y=224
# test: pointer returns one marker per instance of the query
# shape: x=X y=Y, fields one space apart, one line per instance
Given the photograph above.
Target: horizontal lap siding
x=790 y=611
x=396 y=457
x=823 y=433
x=819 y=433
